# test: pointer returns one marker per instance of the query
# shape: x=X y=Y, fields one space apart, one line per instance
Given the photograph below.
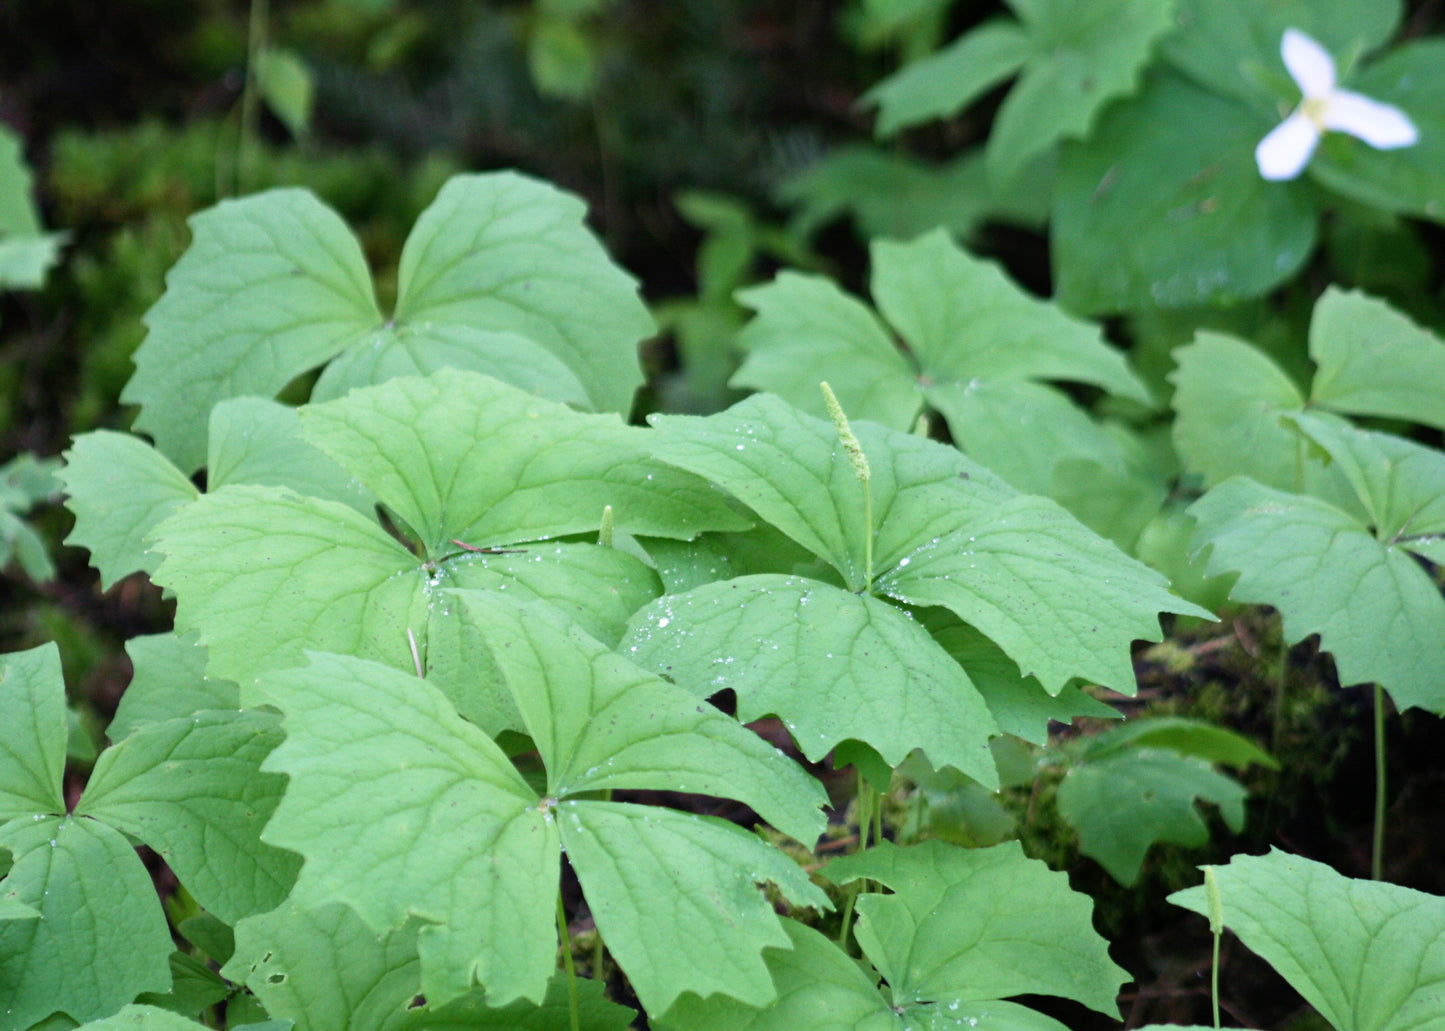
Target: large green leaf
x=946 y=532
x=977 y=924
x=1376 y=611
x=1073 y=57
x=822 y=989
x=1372 y=360
x=143 y=1017
x=600 y=722
x=168 y=680
x=1123 y=803
x=1365 y=954
x=101 y=938
x=508 y=253
x=831 y=664
x=275 y=284
x=120 y=488
x=262 y=575
x=256 y=440
x=977 y=345
x=271 y=286
x=443 y=828
x=33 y=733
x=323 y=968
x=1164 y=206
x=403 y=809
x=716 y=924
x=460 y=456
x=192 y=790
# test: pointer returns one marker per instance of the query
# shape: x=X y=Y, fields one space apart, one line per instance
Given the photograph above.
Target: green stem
x=1214 y=981
x=847 y=916
x=1377 y=850
x=567 y=962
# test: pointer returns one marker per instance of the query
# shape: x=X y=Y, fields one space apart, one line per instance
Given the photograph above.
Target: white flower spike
x=1284 y=153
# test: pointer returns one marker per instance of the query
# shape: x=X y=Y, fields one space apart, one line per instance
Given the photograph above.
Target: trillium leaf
x=120 y=489
x=1086 y=54
x=33 y=733
x=1376 y=611
x=717 y=922
x=507 y=253
x=191 y=789
x=1123 y=803
x=1406 y=180
x=1374 y=361
x=426 y=348
x=976 y=924
x=324 y=968
x=831 y=664
x=101 y=938
x=263 y=575
x=1164 y=206
x=402 y=809
x=460 y=456
x=271 y=286
x=256 y=440
x=602 y=723
x=1227 y=47
x=169 y=680
x=977 y=342
x=947 y=532
x=1365 y=954
x=1072 y=59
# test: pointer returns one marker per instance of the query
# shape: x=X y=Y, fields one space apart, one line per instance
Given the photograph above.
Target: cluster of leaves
x=403 y=577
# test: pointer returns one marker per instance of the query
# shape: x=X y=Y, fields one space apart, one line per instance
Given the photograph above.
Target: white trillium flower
x=1284 y=153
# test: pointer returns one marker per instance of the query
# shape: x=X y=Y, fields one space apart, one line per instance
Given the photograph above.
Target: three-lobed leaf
x=274 y=285
x=1365 y=954
x=977 y=348
x=946 y=532
x=977 y=924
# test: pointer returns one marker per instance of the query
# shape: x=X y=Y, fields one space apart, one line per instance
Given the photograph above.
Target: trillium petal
x=1381 y=125
x=1309 y=64
x=1284 y=153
